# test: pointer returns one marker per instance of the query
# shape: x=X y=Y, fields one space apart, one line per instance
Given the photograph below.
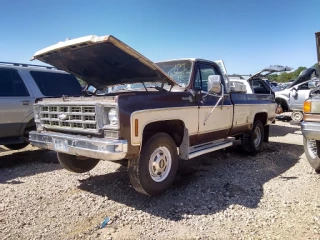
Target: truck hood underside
x=102 y=61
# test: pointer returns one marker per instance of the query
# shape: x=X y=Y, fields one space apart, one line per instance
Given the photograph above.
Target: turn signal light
x=136 y=129
x=307 y=106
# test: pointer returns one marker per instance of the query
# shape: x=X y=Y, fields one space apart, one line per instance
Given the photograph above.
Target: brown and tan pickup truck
x=150 y=114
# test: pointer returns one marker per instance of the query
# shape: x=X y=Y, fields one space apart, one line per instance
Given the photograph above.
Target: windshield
x=179 y=70
x=57 y=84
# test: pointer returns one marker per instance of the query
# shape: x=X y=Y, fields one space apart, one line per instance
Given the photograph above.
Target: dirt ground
x=222 y=195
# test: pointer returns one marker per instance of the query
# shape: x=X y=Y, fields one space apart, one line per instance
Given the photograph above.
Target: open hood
x=102 y=61
x=305 y=75
x=269 y=70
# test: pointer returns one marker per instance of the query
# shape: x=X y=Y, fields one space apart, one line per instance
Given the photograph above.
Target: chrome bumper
x=99 y=148
x=311 y=130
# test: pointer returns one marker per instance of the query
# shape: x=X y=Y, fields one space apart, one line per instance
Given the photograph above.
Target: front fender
x=27 y=122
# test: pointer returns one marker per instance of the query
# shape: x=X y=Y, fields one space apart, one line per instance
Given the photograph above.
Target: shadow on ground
x=26 y=163
x=205 y=185
x=280 y=131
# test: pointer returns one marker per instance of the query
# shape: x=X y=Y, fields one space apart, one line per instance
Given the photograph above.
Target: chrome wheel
x=257 y=137
x=297 y=116
x=160 y=164
x=312 y=148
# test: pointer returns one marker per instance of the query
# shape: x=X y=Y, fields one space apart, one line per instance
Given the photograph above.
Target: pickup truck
x=310 y=126
x=183 y=109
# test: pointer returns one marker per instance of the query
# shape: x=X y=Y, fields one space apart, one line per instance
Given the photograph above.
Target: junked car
x=258 y=82
x=21 y=85
x=182 y=109
x=293 y=97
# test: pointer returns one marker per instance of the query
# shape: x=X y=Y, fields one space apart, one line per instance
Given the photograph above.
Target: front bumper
x=99 y=148
x=311 y=130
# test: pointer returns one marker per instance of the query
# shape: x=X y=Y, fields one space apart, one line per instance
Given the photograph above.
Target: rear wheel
x=252 y=141
x=153 y=172
x=77 y=164
x=16 y=146
x=297 y=116
x=311 y=149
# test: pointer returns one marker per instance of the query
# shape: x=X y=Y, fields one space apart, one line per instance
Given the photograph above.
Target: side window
x=303 y=86
x=259 y=87
x=11 y=84
x=203 y=72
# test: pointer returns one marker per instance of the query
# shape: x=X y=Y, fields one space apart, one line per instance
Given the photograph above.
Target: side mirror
x=214 y=84
x=294 y=92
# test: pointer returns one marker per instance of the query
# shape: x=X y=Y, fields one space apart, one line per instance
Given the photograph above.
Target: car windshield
x=179 y=70
x=57 y=84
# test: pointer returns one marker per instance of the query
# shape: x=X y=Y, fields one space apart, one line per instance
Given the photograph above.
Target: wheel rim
x=312 y=148
x=257 y=137
x=297 y=116
x=160 y=164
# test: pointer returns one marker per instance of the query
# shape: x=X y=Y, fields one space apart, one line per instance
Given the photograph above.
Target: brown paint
x=212 y=136
x=239 y=130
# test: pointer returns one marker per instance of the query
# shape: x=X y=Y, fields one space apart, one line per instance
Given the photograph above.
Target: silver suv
x=20 y=86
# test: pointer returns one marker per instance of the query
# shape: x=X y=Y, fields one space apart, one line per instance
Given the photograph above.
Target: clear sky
x=247 y=34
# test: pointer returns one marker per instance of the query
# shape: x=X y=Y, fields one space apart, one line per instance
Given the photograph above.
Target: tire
x=76 y=164
x=297 y=116
x=311 y=149
x=252 y=142
x=16 y=146
x=148 y=176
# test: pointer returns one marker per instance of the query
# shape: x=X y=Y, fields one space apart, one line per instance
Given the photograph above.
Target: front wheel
x=153 y=172
x=252 y=141
x=311 y=149
x=77 y=164
x=297 y=116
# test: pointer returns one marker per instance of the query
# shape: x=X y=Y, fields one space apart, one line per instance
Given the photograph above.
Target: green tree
x=285 y=76
x=273 y=77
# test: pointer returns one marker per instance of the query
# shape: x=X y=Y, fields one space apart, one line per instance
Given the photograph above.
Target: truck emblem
x=62 y=116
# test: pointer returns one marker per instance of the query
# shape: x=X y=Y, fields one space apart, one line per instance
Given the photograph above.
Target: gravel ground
x=222 y=195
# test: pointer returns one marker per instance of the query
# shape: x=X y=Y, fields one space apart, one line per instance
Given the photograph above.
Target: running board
x=199 y=150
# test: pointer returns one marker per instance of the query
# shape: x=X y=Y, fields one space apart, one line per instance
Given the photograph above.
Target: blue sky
x=247 y=34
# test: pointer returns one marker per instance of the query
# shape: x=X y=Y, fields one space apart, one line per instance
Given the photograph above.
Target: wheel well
x=262 y=117
x=282 y=103
x=174 y=128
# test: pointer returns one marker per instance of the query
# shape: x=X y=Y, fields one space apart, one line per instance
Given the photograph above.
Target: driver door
x=219 y=122
x=302 y=93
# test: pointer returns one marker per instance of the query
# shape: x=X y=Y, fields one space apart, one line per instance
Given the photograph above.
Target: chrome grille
x=69 y=117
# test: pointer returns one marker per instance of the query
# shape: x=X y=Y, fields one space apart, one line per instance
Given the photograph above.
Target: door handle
x=26 y=103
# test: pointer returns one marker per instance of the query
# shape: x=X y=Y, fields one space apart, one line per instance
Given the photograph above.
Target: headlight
x=112 y=116
x=36 y=111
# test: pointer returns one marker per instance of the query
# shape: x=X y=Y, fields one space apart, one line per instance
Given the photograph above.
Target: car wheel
x=297 y=116
x=153 y=172
x=252 y=142
x=16 y=146
x=77 y=164
x=311 y=149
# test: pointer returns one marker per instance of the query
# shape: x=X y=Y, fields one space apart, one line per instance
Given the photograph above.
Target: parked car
x=188 y=110
x=293 y=97
x=310 y=127
x=258 y=83
x=21 y=85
